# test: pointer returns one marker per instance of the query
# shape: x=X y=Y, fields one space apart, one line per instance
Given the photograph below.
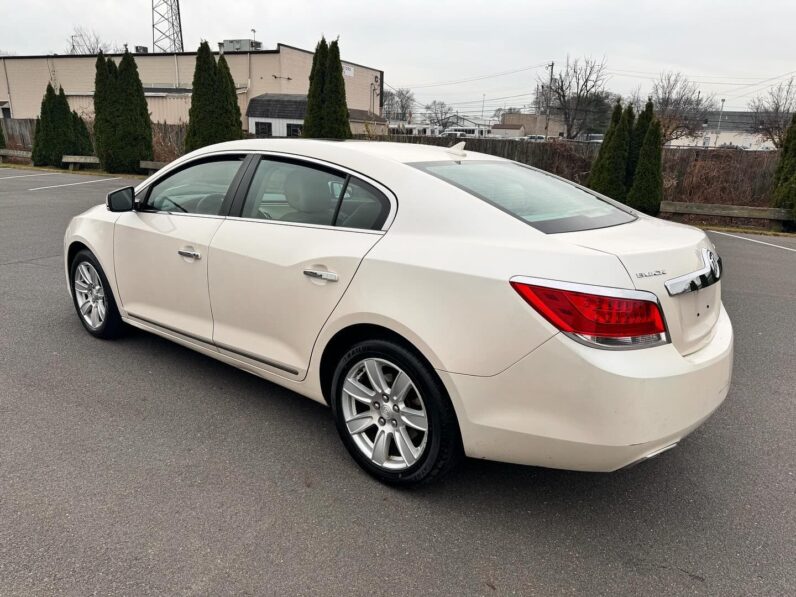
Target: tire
x=385 y=436
x=102 y=304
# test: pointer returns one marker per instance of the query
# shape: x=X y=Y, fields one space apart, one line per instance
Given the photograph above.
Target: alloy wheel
x=90 y=295
x=384 y=414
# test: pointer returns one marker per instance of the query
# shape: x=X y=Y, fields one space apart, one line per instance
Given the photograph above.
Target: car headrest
x=308 y=191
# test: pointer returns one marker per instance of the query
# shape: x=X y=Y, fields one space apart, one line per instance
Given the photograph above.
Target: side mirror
x=120 y=199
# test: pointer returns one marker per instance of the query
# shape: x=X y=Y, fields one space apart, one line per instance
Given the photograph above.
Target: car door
x=279 y=267
x=160 y=249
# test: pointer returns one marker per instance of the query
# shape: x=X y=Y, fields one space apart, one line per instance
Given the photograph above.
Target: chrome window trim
x=708 y=275
x=640 y=295
x=304 y=225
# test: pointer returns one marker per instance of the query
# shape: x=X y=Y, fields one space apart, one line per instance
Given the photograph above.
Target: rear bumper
x=574 y=407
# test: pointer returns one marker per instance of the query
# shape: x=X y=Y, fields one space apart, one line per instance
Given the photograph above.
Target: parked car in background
x=442 y=302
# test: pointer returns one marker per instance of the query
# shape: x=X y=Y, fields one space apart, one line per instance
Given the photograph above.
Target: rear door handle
x=189 y=253
x=321 y=275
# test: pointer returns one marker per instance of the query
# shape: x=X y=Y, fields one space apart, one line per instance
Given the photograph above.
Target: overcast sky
x=731 y=47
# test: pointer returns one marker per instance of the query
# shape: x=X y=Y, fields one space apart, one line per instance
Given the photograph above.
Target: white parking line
x=29 y=175
x=71 y=184
x=753 y=240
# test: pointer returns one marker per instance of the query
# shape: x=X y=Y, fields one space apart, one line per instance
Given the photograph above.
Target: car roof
x=329 y=150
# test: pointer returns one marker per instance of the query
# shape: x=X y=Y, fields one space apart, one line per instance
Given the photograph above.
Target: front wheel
x=394 y=415
x=92 y=297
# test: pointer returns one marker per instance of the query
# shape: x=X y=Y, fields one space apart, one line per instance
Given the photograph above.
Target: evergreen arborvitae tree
x=230 y=116
x=203 y=122
x=785 y=175
x=129 y=138
x=616 y=116
x=646 y=193
x=313 y=119
x=637 y=140
x=82 y=140
x=608 y=175
x=42 y=140
x=64 y=129
x=335 y=107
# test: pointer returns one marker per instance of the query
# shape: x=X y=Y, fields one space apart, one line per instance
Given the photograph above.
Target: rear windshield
x=545 y=202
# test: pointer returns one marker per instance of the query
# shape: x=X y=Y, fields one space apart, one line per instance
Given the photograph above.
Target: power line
x=478 y=78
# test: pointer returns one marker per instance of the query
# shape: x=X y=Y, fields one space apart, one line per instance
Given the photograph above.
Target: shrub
x=637 y=140
x=609 y=173
x=229 y=116
x=646 y=193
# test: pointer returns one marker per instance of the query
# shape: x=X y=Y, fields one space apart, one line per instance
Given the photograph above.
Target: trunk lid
x=654 y=252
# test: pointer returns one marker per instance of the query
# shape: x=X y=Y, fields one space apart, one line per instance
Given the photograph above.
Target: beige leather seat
x=307 y=192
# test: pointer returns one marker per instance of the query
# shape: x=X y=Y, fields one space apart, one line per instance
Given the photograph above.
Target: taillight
x=606 y=317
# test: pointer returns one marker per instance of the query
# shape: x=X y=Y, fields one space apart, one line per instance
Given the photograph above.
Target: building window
x=294 y=130
x=262 y=129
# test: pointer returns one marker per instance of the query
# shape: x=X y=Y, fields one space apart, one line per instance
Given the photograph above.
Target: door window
x=291 y=192
x=199 y=188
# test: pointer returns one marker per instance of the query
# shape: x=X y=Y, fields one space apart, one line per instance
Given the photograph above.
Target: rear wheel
x=393 y=414
x=92 y=297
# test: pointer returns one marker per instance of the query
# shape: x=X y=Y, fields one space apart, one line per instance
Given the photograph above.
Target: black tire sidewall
x=111 y=325
x=437 y=404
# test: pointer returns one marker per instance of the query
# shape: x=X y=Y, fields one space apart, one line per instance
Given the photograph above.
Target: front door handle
x=321 y=275
x=189 y=253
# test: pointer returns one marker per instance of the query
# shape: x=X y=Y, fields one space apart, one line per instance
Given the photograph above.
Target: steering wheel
x=214 y=201
x=177 y=205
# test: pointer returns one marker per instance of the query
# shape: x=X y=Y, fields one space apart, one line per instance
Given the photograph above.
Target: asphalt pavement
x=138 y=467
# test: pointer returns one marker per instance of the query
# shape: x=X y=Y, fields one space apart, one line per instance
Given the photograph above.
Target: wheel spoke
x=405 y=446
x=81 y=286
x=414 y=418
x=400 y=386
x=357 y=391
x=359 y=423
x=101 y=309
x=380 y=447
x=83 y=271
x=95 y=321
x=85 y=307
x=376 y=375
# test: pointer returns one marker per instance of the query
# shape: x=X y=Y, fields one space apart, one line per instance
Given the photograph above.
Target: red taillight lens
x=605 y=320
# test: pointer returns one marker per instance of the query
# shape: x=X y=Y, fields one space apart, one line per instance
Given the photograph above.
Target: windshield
x=547 y=203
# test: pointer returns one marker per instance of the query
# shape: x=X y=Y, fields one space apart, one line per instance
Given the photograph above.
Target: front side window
x=540 y=200
x=197 y=189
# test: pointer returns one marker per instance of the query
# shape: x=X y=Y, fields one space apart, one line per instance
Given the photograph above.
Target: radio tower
x=166 y=26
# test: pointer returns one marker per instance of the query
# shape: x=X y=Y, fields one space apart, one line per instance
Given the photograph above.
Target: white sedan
x=442 y=302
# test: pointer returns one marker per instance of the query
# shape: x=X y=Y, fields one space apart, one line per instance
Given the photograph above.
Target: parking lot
x=139 y=467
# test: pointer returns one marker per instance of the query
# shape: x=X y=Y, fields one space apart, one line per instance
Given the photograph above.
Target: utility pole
x=718 y=126
x=547 y=111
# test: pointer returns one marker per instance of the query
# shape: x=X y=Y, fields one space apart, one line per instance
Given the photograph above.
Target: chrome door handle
x=191 y=254
x=321 y=275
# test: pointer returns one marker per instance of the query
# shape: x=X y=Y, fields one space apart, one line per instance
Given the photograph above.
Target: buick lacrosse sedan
x=442 y=302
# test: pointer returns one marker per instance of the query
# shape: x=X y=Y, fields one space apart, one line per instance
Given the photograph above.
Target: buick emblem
x=713 y=262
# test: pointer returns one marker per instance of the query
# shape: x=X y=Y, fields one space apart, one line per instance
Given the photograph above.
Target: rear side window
x=306 y=193
x=541 y=200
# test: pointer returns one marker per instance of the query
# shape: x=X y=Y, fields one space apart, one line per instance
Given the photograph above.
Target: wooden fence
x=18 y=132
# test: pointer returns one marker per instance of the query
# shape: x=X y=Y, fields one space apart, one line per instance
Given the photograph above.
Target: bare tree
x=680 y=106
x=87 y=41
x=439 y=114
x=572 y=93
x=398 y=103
x=773 y=112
